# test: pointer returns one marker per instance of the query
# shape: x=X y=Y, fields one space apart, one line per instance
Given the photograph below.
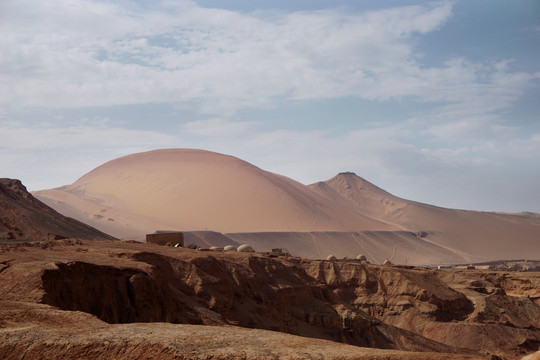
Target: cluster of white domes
x=362 y=258
x=245 y=248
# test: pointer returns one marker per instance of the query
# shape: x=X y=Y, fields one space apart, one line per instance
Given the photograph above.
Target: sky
x=435 y=101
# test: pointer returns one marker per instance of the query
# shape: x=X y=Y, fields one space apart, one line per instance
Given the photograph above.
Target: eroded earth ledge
x=103 y=299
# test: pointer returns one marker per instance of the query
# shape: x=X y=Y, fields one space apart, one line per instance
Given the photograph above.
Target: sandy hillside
x=482 y=234
x=196 y=190
x=400 y=247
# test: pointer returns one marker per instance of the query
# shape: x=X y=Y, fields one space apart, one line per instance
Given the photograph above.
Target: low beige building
x=170 y=238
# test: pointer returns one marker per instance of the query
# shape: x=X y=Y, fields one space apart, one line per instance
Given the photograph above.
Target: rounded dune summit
x=195 y=190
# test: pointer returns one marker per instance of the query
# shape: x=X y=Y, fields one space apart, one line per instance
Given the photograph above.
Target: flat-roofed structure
x=163 y=237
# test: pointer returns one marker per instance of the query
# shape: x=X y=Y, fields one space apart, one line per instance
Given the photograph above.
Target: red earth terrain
x=87 y=299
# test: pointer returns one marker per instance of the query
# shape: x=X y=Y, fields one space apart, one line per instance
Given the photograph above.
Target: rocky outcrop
x=23 y=217
x=255 y=292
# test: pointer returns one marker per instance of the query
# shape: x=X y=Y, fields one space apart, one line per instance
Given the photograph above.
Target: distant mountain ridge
x=23 y=217
x=197 y=190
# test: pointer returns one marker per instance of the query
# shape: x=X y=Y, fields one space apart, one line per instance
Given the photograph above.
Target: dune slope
x=464 y=233
x=197 y=190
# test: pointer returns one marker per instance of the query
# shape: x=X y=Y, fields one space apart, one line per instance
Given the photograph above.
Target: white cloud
x=91 y=53
x=68 y=54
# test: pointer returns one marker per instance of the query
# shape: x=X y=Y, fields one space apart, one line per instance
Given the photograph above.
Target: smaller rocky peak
x=349 y=179
x=350 y=176
x=347 y=173
x=13 y=188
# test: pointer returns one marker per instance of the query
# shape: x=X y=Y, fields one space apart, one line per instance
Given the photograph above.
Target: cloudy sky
x=433 y=101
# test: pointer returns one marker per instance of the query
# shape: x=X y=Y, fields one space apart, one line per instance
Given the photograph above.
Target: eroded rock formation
x=398 y=308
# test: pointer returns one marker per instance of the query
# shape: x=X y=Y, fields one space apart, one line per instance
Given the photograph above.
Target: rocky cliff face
x=345 y=301
x=252 y=292
x=23 y=217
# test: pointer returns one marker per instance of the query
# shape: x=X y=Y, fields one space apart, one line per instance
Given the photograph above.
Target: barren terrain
x=86 y=299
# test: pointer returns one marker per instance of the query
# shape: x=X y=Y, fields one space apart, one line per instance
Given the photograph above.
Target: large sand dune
x=197 y=190
x=194 y=190
x=482 y=234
